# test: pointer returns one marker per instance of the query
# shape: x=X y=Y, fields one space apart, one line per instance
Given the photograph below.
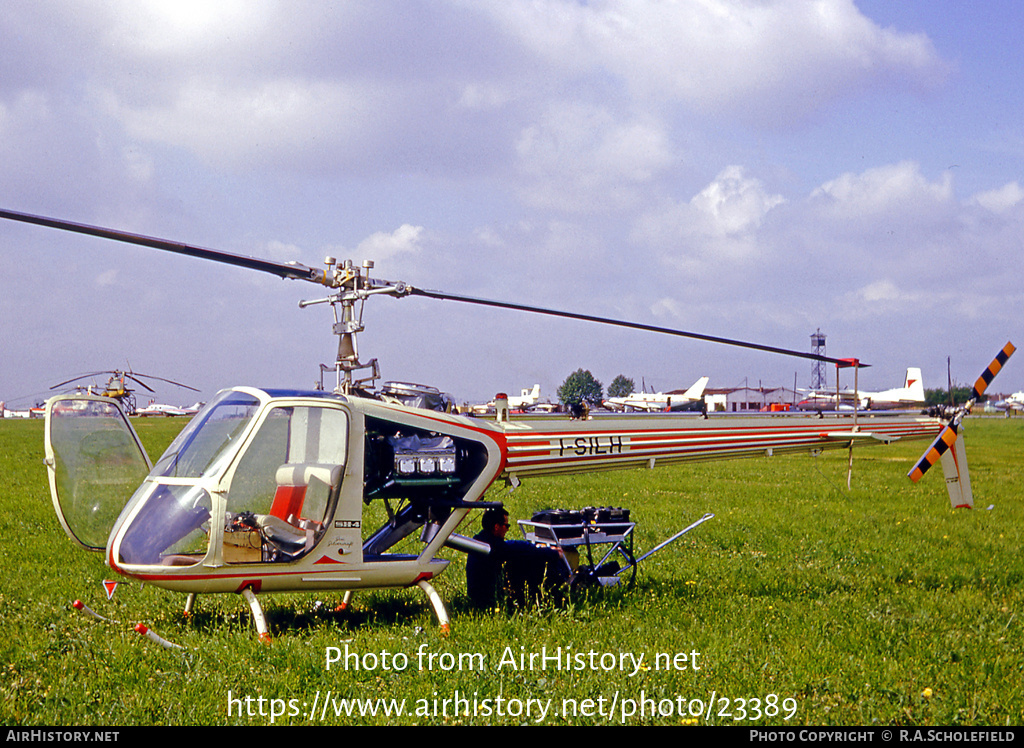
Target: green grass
x=849 y=603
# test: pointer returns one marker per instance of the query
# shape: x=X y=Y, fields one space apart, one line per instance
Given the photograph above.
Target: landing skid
x=260 y=619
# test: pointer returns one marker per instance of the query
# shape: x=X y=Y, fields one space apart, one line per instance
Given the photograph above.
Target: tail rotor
x=948 y=445
x=989 y=374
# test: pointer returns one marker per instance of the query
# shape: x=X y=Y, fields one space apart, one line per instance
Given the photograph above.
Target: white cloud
x=718 y=226
x=186 y=26
x=667 y=307
x=357 y=89
x=1000 y=200
x=560 y=148
x=883 y=291
x=896 y=187
x=227 y=81
x=759 y=60
x=735 y=203
x=281 y=251
x=908 y=305
x=107 y=278
x=489 y=237
x=585 y=158
x=382 y=246
x=271 y=121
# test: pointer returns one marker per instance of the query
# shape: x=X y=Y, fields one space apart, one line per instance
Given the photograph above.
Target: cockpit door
x=95 y=462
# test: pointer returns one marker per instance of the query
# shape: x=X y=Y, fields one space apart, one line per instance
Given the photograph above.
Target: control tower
x=818 y=367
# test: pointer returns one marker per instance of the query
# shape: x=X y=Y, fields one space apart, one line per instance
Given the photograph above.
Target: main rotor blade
x=81 y=376
x=844 y=362
x=169 y=381
x=139 y=381
x=302 y=272
x=281 y=269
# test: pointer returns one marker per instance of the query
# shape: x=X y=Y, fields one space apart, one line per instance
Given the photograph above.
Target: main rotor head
x=354 y=286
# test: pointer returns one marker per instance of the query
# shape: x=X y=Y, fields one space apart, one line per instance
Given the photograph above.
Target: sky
x=750 y=169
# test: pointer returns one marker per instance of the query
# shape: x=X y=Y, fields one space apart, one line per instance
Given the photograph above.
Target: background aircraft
x=160 y=409
x=911 y=394
x=526 y=398
x=657 y=401
x=1014 y=402
x=525 y=401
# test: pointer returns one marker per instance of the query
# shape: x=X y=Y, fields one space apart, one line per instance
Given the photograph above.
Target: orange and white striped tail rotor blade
x=945 y=440
x=989 y=374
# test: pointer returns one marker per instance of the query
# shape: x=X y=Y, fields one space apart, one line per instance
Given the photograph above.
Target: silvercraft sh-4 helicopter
x=264 y=490
x=118 y=386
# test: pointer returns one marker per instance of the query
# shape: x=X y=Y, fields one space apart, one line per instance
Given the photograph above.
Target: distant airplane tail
x=696 y=392
x=910 y=394
x=913 y=384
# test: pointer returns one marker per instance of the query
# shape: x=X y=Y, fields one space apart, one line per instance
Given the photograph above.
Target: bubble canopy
x=252 y=457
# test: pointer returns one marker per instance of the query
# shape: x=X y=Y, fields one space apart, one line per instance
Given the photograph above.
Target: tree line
x=583 y=387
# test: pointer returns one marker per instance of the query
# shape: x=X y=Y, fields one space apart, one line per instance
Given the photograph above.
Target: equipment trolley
x=573 y=533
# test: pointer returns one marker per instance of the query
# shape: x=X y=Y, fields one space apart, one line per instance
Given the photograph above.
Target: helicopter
x=267 y=490
x=117 y=386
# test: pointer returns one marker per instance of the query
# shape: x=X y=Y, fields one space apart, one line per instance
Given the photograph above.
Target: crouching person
x=515 y=572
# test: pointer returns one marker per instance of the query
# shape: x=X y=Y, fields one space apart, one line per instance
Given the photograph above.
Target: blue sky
x=755 y=170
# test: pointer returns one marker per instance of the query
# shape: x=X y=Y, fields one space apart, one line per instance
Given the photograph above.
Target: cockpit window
x=280 y=492
x=96 y=463
x=171 y=528
x=194 y=453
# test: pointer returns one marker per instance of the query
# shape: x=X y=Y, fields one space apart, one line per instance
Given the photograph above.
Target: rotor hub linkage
x=354 y=287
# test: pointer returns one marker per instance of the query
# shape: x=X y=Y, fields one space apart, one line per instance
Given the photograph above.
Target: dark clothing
x=513 y=572
x=483 y=572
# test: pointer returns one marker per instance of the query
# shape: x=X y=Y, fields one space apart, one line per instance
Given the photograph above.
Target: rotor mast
x=354 y=286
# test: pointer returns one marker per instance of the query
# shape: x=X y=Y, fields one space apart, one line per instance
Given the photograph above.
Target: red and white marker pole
x=152 y=635
x=79 y=605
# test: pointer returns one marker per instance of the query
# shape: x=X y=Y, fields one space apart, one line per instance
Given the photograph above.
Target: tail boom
x=546 y=447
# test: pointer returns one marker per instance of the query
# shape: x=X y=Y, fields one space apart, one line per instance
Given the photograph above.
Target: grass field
x=801 y=603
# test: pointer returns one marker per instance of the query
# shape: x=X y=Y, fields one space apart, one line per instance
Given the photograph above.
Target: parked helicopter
x=264 y=490
x=117 y=386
